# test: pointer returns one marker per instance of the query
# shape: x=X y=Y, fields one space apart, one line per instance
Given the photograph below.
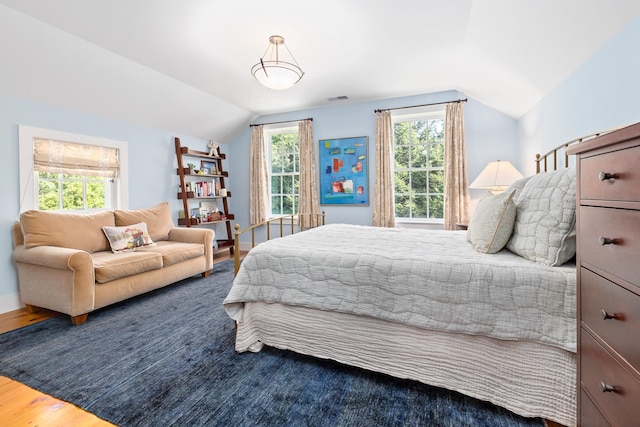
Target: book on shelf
x=205 y=188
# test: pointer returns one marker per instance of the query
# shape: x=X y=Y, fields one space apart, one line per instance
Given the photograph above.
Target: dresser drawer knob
x=605 y=315
x=605 y=176
x=606 y=241
x=606 y=388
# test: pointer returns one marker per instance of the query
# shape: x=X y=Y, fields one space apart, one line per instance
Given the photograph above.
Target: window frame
x=28 y=175
x=268 y=132
x=84 y=181
x=418 y=113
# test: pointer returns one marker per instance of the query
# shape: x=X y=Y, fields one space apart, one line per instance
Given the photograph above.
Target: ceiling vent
x=338 y=98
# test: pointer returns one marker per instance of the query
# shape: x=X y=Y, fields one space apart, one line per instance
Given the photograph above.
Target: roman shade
x=75 y=159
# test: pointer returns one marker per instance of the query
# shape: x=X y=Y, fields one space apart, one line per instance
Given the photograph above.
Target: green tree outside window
x=419 y=168
x=70 y=192
x=285 y=173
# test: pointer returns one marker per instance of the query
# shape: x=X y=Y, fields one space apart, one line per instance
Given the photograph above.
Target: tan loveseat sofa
x=65 y=261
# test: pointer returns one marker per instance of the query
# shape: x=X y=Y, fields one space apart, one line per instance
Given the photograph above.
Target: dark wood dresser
x=608 y=260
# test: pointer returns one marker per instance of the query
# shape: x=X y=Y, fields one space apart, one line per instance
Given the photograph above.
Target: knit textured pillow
x=545 y=228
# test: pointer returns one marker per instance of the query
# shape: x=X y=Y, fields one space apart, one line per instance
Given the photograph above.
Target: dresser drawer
x=623 y=163
x=597 y=367
x=620 y=258
x=589 y=415
x=598 y=295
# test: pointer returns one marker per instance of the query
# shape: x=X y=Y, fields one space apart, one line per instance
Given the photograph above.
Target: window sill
x=419 y=221
x=284 y=220
x=430 y=224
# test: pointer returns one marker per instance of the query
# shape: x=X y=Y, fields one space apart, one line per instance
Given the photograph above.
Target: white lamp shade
x=277 y=75
x=277 y=68
x=496 y=176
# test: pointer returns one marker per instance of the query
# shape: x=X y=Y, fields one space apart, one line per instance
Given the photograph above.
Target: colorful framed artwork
x=344 y=175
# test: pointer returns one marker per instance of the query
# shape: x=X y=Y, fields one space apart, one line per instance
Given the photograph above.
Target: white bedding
x=528 y=378
x=424 y=278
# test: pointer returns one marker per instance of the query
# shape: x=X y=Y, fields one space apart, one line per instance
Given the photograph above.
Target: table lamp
x=496 y=177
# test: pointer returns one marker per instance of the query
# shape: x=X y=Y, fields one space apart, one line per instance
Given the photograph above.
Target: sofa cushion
x=109 y=266
x=66 y=230
x=176 y=252
x=158 y=219
x=128 y=237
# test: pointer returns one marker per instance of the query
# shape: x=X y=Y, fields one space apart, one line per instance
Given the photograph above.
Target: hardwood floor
x=19 y=318
x=23 y=406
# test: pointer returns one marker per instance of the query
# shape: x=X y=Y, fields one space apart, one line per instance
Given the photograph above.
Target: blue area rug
x=167 y=359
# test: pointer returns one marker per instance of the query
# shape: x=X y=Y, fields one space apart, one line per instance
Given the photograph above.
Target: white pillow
x=517 y=187
x=544 y=230
x=492 y=222
x=128 y=238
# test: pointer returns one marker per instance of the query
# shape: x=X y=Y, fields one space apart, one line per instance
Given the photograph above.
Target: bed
x=488 y=312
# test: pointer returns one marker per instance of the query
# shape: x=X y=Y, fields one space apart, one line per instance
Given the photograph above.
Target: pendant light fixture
x=277 y=68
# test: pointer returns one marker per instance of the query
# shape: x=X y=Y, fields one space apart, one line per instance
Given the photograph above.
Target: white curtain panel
x=259 y=178
x=308 y=191
x=456 y=181
x=383 y=192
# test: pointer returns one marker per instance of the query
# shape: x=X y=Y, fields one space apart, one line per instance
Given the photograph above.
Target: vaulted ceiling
x=184 y=65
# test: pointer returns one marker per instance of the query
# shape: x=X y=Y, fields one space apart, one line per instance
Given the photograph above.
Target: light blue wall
x=490 y=135
x=601 y=94
x=152 y=165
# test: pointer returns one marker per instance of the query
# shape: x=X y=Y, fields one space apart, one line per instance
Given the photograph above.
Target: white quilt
x=425 y=278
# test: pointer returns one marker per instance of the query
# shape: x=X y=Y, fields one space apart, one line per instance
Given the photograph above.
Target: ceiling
x=184 y=65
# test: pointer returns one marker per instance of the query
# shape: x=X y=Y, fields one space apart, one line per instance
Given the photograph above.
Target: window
x=61 y=171
x=57 y=191
x=419 y=166
x=284 y=173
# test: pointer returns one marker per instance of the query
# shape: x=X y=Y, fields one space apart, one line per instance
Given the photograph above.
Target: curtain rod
x=285 y=121
x=422 y=105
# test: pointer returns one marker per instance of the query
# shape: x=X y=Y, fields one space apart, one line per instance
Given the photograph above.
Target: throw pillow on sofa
x=128 y=238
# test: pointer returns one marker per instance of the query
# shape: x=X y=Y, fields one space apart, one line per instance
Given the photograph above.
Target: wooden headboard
x=549 y=161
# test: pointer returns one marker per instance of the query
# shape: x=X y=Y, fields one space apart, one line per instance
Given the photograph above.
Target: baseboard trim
x=10 y=303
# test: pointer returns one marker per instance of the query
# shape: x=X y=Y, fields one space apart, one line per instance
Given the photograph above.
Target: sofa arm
x=196 y=235
x=56 y=278
x=54 y=257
